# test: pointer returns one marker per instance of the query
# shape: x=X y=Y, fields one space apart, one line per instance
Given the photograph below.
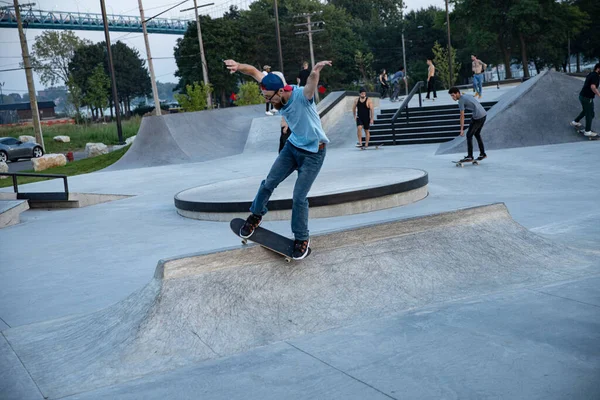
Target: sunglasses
x=268 y=99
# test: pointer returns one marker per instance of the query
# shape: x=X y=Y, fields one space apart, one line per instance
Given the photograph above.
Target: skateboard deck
x=376 y=147
x=269 y=240
x=581 y=130
x=461 y=163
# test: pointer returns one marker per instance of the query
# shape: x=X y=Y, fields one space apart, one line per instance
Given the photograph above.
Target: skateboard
x=581 y=130
x=376 y=147
x=265 y=238
x=461 y=163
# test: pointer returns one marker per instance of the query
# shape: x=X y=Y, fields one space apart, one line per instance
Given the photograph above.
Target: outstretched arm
x=313 y=79
x=234 y=66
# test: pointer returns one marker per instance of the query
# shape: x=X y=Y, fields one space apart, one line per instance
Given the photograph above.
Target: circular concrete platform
x=334 y=193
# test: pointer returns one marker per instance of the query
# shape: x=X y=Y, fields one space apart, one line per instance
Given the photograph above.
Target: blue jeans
x=478 y=83
x=289 y=160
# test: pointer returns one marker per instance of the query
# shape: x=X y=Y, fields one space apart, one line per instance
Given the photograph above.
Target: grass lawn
x=73 y=168
x=79 y=134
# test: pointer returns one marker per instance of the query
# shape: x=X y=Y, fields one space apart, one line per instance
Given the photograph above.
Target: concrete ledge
x=76 y=200
x=10 y=211
x=332 y=194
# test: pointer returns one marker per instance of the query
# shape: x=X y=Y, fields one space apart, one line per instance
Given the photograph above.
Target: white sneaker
x=274 y=111
x=590 y=134
x=575 y=124
x=269 y=113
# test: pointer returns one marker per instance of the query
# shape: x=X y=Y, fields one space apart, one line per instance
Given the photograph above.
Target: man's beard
x=278 y=105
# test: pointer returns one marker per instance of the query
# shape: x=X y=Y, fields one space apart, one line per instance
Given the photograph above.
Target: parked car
x=12 y=149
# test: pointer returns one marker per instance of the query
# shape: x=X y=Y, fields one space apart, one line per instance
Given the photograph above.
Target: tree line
x=363 y=37
x=62 y=57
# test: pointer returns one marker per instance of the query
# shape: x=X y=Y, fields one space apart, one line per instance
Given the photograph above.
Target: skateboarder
x=466 y=101
x=396 y=78
x=478 y=67
x=304 y=151
x=586 y=98
x=364 y=117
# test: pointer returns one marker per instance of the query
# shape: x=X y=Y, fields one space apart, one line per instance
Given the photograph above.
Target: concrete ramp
x=535 y=113
x=205 y=306
x=189 y=137
x=10 y=211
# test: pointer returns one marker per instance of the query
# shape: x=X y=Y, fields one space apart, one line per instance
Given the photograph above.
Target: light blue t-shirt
x=304 y=122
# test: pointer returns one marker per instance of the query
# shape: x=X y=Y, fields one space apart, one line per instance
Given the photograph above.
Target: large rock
x=3 y=168
x=130 y=140
x=26 y=138
x=48 y=161
x=95 y=149
x=62 y=139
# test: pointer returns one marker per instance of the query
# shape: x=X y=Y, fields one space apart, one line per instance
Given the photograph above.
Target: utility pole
x=278 y=37
x=35 y=112
x=310 y=32
x=450 y=67
x=1 y=95
x=111 y=69
x=202 y=58
x=569 y=52
x=157 y=110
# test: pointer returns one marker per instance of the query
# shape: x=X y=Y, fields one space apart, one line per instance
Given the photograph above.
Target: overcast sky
x=161 y=45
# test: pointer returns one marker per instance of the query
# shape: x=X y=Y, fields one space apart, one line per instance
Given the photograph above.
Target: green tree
x=440 y=61
x=74 y=98
x=364 y=66
x=194 y=98
x=52 y=52
x=381 y=12
x=98 y=91
x=132 y=77
x=249 y=94
x=587 y=42
x=249 y=37
x=84 y=61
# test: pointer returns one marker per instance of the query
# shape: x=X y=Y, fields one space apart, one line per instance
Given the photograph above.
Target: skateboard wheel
x=287 y=259
x=244 y=242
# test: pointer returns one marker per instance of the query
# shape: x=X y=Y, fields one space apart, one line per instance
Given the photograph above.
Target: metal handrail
x=14 y=176
x=404 y=106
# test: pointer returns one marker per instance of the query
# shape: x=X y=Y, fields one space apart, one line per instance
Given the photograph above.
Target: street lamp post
x=449 y=45
x=404 y=58
x=404 y=62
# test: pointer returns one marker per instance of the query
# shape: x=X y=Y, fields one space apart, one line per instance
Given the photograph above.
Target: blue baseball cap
x=274 y=81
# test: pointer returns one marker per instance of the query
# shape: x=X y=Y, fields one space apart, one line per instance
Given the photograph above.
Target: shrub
x=249 y=94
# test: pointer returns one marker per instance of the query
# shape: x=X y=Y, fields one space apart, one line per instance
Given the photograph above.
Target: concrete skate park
x=426 y=281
